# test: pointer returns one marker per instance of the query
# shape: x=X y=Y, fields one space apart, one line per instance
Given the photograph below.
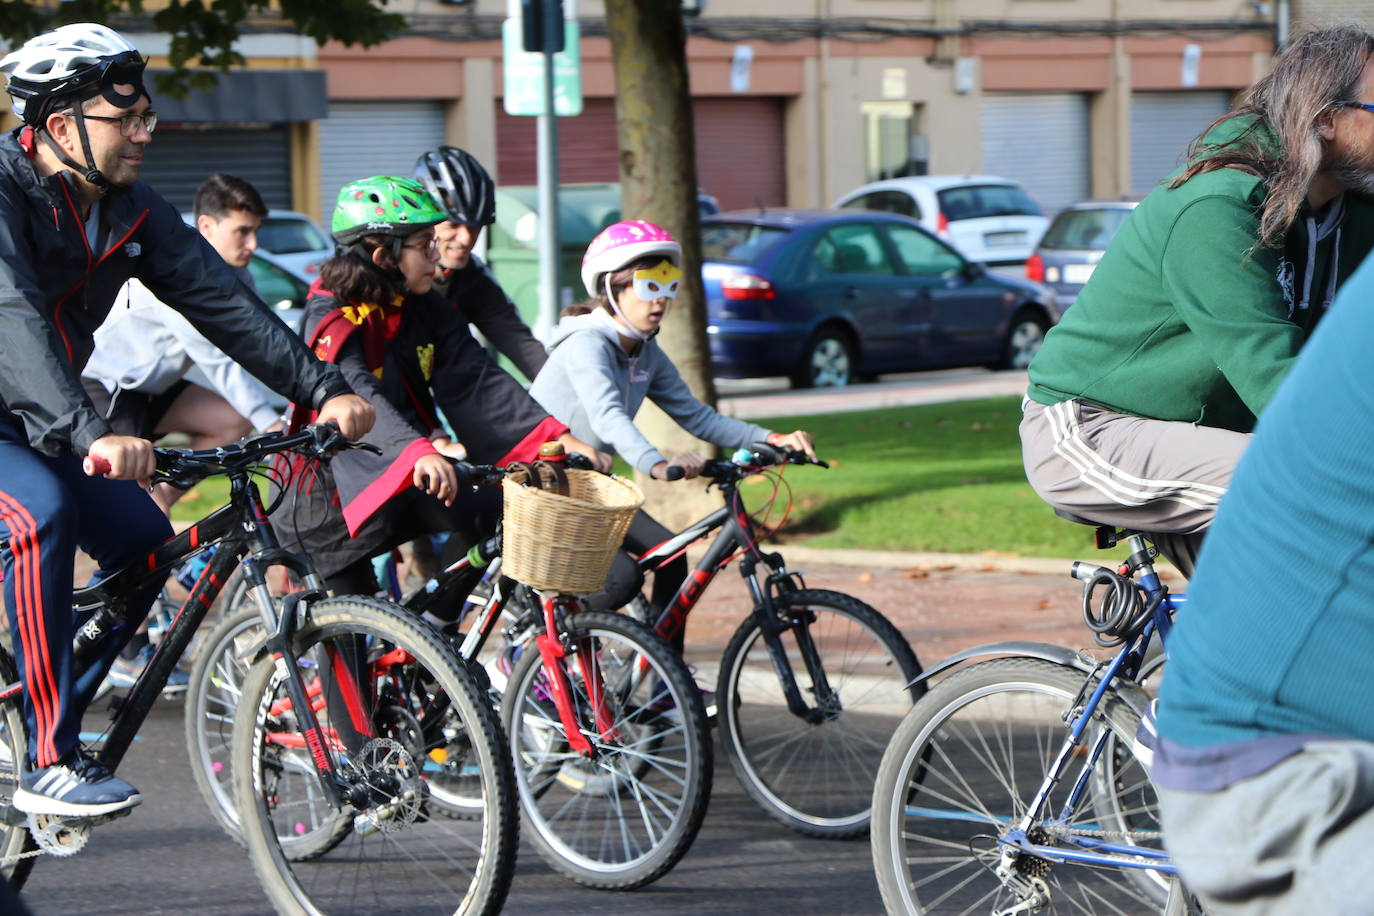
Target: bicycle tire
x=16 y=845
x=624 y=818
x=965 y=762
x=816 y=778
x=396 y=851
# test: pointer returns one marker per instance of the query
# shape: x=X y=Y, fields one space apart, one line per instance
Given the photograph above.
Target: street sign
x=524 y=73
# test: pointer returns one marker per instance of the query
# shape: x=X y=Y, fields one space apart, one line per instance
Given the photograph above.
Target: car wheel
x=1023 y=341
x=827 y=362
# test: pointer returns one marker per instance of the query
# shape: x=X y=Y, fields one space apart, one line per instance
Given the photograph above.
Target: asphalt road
x=168 y=856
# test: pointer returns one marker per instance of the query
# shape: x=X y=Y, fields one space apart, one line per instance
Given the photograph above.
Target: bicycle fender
x=1129 y=691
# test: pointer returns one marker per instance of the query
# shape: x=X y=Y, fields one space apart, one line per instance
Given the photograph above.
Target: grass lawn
x=943 y=477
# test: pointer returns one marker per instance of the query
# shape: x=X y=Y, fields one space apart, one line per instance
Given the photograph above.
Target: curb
x=962 y=562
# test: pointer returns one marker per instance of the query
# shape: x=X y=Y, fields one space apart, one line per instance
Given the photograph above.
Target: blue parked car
x=828 y=296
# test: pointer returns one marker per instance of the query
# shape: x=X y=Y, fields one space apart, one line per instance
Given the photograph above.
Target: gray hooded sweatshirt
x=594 y=386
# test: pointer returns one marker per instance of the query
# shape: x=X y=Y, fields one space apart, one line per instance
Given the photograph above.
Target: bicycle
x=608 y=733
x=812 y=683
x=1018 y=784
x=365 y=792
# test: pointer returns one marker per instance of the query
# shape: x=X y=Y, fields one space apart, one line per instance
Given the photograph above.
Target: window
x=978 y=201
x=853 y=249
x=894 y=146
x=737 y=243
x=290 y=235
x=1084 y=229
x=277 y=288
x=922 y=255
x=886 y=202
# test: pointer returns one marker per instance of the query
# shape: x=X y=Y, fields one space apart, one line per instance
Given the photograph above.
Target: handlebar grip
x=673 y=472
x=95 y=466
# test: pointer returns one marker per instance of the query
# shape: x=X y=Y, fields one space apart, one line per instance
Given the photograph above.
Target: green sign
x=524 y=73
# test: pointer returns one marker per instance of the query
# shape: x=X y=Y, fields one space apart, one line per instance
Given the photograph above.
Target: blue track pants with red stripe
x=48 y=508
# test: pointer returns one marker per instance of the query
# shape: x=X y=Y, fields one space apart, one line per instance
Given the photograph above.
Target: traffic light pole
x=548 y=205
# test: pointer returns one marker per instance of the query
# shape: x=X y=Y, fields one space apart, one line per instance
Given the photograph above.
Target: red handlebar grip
x=95 y=466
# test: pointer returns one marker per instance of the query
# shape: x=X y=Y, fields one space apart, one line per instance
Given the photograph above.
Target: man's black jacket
x=55 y=291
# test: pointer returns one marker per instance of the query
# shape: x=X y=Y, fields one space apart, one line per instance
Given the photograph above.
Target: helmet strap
x=88 y=171
x=626 y=328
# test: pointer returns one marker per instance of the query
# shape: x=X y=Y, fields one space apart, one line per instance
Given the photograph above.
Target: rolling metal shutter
x=740 y=158
x=739 y=146
x=1042 y=141
x=181 y=156
x=587 y=146
x=359 y=139
x=1162 y=126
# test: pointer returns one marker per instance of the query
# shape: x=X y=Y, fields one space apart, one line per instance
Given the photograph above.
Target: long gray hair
x=1318 y=70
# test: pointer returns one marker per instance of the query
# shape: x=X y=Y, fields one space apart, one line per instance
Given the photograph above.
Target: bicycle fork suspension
x=772 y=626
x=553 y=653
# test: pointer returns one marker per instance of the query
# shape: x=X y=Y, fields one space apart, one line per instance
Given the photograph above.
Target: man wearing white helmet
x=75 y=225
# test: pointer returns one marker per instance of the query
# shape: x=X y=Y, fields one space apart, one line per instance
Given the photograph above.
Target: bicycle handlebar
x=760 y=455
x=320 y=441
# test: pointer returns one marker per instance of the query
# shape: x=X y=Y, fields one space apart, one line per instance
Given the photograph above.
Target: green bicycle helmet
x=383 y=205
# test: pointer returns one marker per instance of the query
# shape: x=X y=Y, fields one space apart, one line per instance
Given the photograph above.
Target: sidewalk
x=752 y=398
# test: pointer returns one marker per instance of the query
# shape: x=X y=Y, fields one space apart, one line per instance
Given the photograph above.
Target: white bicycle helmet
x=71 y=63
x=624 y=242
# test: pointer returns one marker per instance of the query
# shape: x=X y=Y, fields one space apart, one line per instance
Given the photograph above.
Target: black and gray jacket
x=485 y=305
x=55 y=290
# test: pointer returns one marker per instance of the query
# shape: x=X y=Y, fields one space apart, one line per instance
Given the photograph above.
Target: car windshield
x=978 y=201
x=1084 y=229
x=284 y=235
x=737 y=243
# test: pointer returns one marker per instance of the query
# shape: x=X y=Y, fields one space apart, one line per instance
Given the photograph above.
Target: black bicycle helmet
x=458 y=182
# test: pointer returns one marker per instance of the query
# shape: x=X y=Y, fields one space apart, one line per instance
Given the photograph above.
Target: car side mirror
x=973 y=270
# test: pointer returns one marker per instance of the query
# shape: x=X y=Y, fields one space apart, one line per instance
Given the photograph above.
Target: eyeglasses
x=128 y=124
x=1363 y=105
x=430 y=248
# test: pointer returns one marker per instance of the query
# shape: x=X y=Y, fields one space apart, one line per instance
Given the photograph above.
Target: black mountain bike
x=346 y=703
x=812 y=684
x=609 y=736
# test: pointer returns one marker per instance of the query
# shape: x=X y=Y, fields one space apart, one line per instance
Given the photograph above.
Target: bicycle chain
x=1129 y=836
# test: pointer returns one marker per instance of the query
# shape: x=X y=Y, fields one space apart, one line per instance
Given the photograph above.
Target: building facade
x=795 y=103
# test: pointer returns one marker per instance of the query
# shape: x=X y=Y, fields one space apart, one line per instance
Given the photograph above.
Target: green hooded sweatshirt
x=1186 y=317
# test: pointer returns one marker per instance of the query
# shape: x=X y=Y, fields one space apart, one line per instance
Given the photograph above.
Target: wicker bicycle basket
x=566 y=543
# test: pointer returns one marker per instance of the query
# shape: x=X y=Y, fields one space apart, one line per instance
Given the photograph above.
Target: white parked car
x=296 y=240
x=989 y=220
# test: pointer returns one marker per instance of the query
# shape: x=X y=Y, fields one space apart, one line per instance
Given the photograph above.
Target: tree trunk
x=658 y=183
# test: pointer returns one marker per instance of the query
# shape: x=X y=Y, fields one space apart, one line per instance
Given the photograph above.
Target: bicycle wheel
x=416 y=704
x=17 y=847
x=964 y=765
x=623 y=816
x=815 y=774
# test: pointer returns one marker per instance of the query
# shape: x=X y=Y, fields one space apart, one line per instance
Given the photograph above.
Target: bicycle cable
x=1121 y=611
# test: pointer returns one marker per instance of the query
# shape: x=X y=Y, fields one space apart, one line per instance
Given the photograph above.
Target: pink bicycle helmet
x=624 y=242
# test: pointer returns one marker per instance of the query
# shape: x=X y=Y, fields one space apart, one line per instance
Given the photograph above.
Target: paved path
x=750 y=398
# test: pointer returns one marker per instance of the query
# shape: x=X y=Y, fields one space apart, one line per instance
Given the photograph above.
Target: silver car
x=1076 y=240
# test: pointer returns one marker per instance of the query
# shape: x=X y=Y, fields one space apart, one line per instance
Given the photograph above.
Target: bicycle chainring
x=59 y=836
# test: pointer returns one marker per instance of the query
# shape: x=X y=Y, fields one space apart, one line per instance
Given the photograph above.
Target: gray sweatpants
x=1158 y=476
x=1295 y=839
